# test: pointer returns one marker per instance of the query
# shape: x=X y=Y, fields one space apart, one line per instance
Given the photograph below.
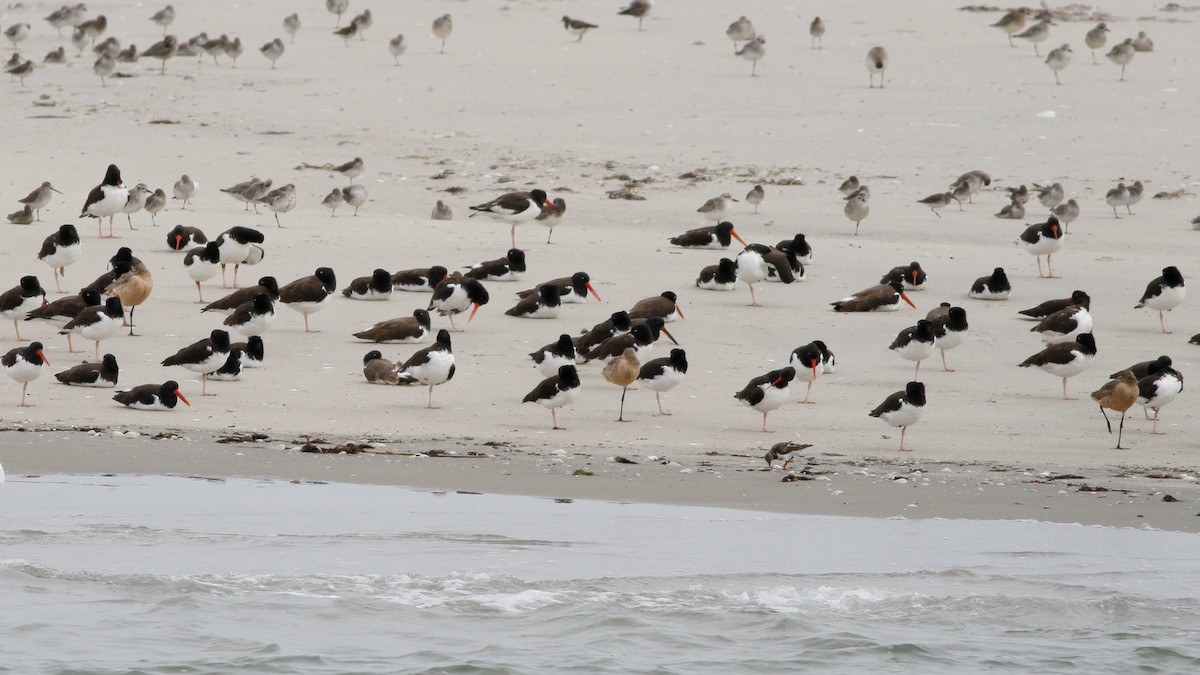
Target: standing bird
x=17 y=302
x=273 y=50
x=163 y=50
x=753 y=51
x=623 y=371
x=363 y=22
x=551 y=216
x=106 y=199
x=767 y=392
x=25 y=364
x=442 y=27
x=1162 y=294
x=1065 y=359
x=1043 y=239
x=61 y=250
x=1036 y=33
x=203 y=357
x=806 y=359
x=937 y=201
x=1067 y=213
x=201 y=264
x=902 y=409
x=1096 y=39
x=379 y=370
x=515 y=208
x=849 y=186
x=751 y=269
x=337 y=7
x=291 y=25
x=1158 y=388
x=577 y=27
x=164 y=17
x=135 y=203
x=638 y=9
x=715 y=208
x=104 y=67
x=1051 y=195
x=550 y=358
x=662 y=375
x=163 y=396
x=103 y=373
x=816 y=30
x=252 y=319
x=185 y=189
x=1121 y=55
x=352 y=169
x=39 y=198
x=975 y=180
x=1118 y=196
x=877 y=62
x=131 y=283
x=1136 y=191
x=949 y=329
x=378 y=286
x=308 y=294
x=63 y=310
x=281 y=200
x=396 y=47
x=430 y=366
x=332 y=201
x=915 y=343
x=740 y=31
x=755 y=196
x=155 y=202
x=1059 y=59
x=97 y=322
x=1012 y=23
x=1119 y=394
x=857 y=210
x=20 y=70
x=237 y=246
x=355 y=196
x=17 y=33
x=454 y=296
x=555 y=392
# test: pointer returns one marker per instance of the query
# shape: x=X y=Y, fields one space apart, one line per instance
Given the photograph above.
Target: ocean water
x=178 y=575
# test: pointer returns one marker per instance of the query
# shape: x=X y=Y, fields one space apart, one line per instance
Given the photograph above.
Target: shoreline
x=822 y=483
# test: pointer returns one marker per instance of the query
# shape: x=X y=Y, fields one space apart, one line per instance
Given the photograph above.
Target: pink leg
x=453 y=328
x=1155 y=431
x=903 y=430
x=807 y=392
x=945 y=367
x=1163 y=323
x=200 y=294
x=17 y=328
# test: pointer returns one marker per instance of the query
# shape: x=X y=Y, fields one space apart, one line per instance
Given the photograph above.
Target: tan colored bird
x=1118 y=394
x=623 y=371
x=132 y=284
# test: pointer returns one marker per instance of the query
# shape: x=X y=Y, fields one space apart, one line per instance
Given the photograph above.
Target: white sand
x=515 y=98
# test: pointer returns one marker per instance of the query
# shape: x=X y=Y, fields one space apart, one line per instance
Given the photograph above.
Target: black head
x=90 y=297
x=944 y=304
x=123 y=254
x=437 y=273
x=271 y=285
x=1087 y=341
x=565 y=345
x=68 y=235
x=895 y=284
x=30 y=286
x=110 y=363
x=422 y=318
x=726 y=270
x=113 y=176
x=539 y=197
x=958 y=319
x=1081 y=298
x=371 y=356
x=621 y=321
x=245 y=235
x=924 y=331
x=670 y=295
x=783 y=377
x=220 y=340
x=113 y=308
x=761 y=249
x=642 y=334
x=262 y=304
x=914 y=393
x=549 y=295
x=476 y=292
x=568 y=377
x=1172 y=277
x=328 y=278
x=33 y=353
x=723 y=228
x=679 y=360
x=1051 y=228
x=381 y=281
x=516 y=259
x=999 y=277
x=579 y=282
x=256 y=348
x=443 y=338
x=1161 y=363
x=819 y=344
x=212 y=253
x=799 y=244
x=178 y=237
x=808 y=356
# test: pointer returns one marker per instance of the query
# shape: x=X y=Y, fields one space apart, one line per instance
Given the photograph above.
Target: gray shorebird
x=352 y=169
x=638 y=9
x=715 y=208
x=1095 y=39
x=272 y=50
x=857 y=210
x=442 y=27
x=39 y=198
x=877 y=62
x=164 y=51
x=1066 y=213
x=135 y=203
x=1036 y=33
x=164 y=17
x=1121 y=55
x=185 y=188
x=441 y=212
x=740 y=31
x=337 y=7
x=291 y=25
x=104 y=66
x=280 y=200
x=752 y=51
x=396 y=47
x=577 y=27
x=755 y=196
x=816 y=31
x=937 y=201
x=1143 y=43
x=155 y=202
x=1059 y=59
x=332 y=201
x=1012 y=23
x=355 y=196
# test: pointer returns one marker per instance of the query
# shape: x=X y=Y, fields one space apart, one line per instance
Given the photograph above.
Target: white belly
x=990 y=295
x=915 y=351
x=308 y=307
x=111 y=204
x=257 y=325
x=1165 y=391
x=550 y=365
x=560 y=399
x=950 y=340
x=26 y=306
x=64 y=256
x=436 y=370
x=906 y=416
x=773 y=399
x=103 y=329
x=1169 y=299
x=1044 y=246
x=24 y=371
x=1069 y=369
x=543 y=312
x=665 y=381
x=714 y=285
x=201 y=270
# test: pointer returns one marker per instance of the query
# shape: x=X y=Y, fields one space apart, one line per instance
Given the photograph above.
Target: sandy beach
x=515 y=103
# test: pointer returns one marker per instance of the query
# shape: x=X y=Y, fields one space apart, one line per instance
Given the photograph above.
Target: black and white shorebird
x=995 y=286
x=902 y=409
x=308 y=295
x=1043 y=239
x=102 y=373
x=571 y=290
x=1066 y=323
x=454 y=296
x=550 y=358
x=880 y=298
x=17 y=302
x=910 y=276
x=419 y=280
x=616 y=324
x=751 y=269
x=664 y=374
x=515 y=208
x=555 y=392
x=720 y=235
x=237 y=246
x=430 y=366
x=720 y=277
x=577 y=27
x=1159 y=387
x=798 y=245
x=59 y=312
x=638 y=9
x=1065 y=359
x=664 y=306
x=252 y=318
x=231 y=370
x=640 y=337
x=163 y=396
x=545 y=305
x=1051 y=306
x=915 y=343
x=232 y=301
x=203 y=357
x=510 y=267
x=24 y=365
x=1164 y=294
x=403 y=330
x=378 y=286
x=253 y=351
x=202 y=263
x=106 y=199
x=378 y=370
x=949 y=329
x=39 y=198
x=97 y=322
x=180 y=237
x=807 y=361
x=767 y=392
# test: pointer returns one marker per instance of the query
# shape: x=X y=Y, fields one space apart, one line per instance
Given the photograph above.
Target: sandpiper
x=1036 y=33
x=164 y=51
x=1121 y=55
x=291 y=24
x=740 y=31
x=816 y=31
x=937 y=201
x=38 y=198
x=281 y=200
x=577 y=27
x=638 y=9
x=755 y=196
x=877 y=62
x=1096 y=39
x=337 y=7
x=397 y=47
x=715 y=208
x=857 y=210
x=1012 y=22
x=1059 y=59
x=272 y=50
x=752 y=51
x=442 y=27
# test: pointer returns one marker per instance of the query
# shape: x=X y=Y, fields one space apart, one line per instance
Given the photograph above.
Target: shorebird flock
x=621 y=343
